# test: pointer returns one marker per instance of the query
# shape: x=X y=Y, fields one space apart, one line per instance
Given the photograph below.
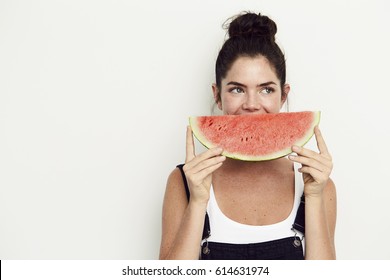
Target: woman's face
x=250 y=87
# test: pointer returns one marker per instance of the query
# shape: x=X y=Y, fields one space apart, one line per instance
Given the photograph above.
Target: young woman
x=221 y=208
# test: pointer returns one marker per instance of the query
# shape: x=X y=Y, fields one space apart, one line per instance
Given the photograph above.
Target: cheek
x=271 y=105
x=230 y=103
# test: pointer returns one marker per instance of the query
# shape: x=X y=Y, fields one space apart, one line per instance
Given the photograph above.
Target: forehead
x=250 y=70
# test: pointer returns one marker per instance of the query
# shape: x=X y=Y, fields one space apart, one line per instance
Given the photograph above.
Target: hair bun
x=252 y=25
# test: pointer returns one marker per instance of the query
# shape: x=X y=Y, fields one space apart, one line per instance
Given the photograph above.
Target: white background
x=94 y=101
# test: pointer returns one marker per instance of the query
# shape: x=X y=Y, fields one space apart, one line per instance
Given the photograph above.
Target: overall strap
x=299 y=222
x=206 y=227
x=180 y=166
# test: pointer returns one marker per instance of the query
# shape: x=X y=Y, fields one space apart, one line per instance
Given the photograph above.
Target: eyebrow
x=233 y=83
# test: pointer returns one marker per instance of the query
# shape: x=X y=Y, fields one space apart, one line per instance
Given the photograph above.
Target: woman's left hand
x=316 y=167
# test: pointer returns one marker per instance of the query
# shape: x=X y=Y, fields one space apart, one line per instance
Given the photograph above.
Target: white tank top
x=226 y=230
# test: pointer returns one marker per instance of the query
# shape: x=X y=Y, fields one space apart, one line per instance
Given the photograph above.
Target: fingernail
x=296 y=148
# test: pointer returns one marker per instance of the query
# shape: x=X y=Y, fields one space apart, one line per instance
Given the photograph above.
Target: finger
x=305 y=152
x=311 y=158
x=209 y=170
x=190 y=146
x=204 y=164
x=320 y=141
x=214 y=152
x=317 y=175
x=324 y=165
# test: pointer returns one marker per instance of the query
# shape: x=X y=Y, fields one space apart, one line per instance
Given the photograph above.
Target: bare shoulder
x=175 y=194
x=174 y=205
x=175 y=183
x=175 y=176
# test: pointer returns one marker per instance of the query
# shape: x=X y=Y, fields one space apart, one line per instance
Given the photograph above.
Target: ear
x=217 y=96
x=286 y=90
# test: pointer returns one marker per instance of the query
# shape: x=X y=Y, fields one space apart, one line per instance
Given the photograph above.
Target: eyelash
x=234 y=90
x=271 y=90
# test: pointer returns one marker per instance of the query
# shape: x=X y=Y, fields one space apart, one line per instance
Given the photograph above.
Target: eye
x=236 y=90
x=267 y=90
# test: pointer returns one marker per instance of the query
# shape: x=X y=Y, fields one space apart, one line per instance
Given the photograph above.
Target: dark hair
x=250 y=35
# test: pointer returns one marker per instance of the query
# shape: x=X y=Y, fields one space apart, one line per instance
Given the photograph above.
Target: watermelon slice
x=255 y=137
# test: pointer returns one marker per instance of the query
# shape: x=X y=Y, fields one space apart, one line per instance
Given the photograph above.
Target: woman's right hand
x=199 y=168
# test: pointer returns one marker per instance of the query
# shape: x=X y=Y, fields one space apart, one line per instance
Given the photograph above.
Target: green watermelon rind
x=279 y=154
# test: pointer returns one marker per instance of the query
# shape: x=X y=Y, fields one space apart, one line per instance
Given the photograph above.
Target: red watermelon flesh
x=255 y=137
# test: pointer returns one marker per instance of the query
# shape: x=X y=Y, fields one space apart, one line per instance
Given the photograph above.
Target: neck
x=233 y=165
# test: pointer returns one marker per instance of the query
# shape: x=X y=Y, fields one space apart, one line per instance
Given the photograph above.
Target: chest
x=255 y=199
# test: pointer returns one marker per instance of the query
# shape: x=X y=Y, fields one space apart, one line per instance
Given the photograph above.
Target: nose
x=252 y=102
